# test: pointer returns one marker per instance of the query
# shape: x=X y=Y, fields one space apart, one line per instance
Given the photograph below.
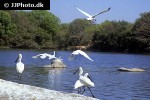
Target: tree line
x=40 y=29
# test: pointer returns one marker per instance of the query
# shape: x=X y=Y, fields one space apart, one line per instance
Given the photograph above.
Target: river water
x=110 y=84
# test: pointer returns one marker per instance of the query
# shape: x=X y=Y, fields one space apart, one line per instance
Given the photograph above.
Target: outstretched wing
x=42 y=56
x=85 y=55
x=78 y=84
x=36 y=56
x=101 y=12
x=86 y=14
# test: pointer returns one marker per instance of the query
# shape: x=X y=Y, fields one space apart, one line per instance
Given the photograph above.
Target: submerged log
x=130 y=69
x=58 y=63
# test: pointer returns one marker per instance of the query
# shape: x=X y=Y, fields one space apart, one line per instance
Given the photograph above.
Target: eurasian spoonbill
x=44 y=55
x=91 y=17
x=79 y=52
x=19 y=66
x=84 y=81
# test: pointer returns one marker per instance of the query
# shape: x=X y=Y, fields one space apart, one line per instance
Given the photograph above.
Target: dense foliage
x=41 y=29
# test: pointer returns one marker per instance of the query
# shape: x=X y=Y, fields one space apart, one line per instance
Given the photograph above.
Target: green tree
x=76 y=31
x=63 y=36
x=47 y=21
x=7 y=28
x=5 y=20
x=78 y=26
x=25 y=30
x=141 y=31
x=111 y=36
x=89 y=32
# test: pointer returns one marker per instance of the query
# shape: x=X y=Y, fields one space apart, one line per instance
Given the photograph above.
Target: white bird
x=51 y=56
x=78 y=84
x=91 y=17
x=44 y=55
x=79 y=52
x=84 y=81
x=19 y=66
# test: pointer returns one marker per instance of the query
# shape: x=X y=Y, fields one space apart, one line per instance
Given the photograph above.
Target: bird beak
x=89 y=78
x=75 y=71
x=16 y=60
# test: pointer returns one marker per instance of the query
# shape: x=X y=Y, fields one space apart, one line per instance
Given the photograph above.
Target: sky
x=127 y=10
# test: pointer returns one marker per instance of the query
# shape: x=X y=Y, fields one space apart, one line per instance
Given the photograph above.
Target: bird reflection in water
x=55 y=77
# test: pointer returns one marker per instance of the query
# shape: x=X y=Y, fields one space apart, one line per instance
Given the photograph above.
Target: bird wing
x=78 y=84
x=36 y=56
x=42 y=56
x=101 y=12
x=85 y=55
x=73 y=55
x=86 y=14
x=50 y=56
x=19 y=67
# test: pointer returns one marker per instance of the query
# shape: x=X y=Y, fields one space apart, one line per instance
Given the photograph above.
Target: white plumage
x=78 y=84
x=91 y=17
x=19 y=65
x=79 y=52
x=44 y=55
x=86 y=81
x=51 y=56
x=83 y=81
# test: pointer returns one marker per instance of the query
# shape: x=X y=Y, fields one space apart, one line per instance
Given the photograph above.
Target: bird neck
x=54 y=54
x=80 y=73
x=19 y=60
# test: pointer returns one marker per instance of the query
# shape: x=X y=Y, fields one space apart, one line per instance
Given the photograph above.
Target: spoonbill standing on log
x=19 y=66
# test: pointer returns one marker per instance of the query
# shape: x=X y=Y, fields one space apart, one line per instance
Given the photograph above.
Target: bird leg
x=75 y=71
x=79 y=90
x=91 y=92
x=83 y=90
x=19 y=76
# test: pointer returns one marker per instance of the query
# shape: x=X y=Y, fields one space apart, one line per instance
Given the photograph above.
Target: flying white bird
x=91 y=17
x=51 y=56
x=83 y=81
x=19 y=66
x=79 y=52
x=44 y=55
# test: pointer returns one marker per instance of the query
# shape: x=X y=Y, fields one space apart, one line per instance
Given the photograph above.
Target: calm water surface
x=109 y=83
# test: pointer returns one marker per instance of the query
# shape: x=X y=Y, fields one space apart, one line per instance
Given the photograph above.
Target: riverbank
x=14 y=91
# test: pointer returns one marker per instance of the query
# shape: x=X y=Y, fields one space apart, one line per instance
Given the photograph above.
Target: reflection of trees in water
x=3 y=73
x=54 y=78
x=37 y=76
x=7 y=73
